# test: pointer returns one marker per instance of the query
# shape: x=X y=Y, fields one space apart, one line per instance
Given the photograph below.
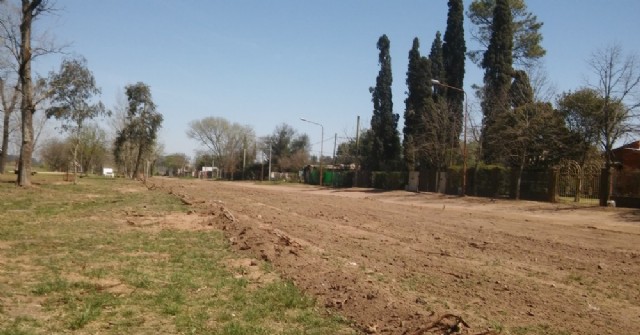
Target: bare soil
x=423 y=263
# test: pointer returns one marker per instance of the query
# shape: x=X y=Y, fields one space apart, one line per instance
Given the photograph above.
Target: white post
x=270 y=146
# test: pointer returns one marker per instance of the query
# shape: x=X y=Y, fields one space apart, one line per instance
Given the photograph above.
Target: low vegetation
x=75 y=258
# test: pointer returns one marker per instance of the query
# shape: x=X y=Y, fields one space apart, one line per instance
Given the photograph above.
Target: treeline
x=521 y=126
x=69 y=96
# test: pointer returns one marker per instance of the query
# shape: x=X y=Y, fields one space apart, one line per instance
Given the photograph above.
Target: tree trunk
x=76 y=144
x=27 y=107
x=26 y=150
x=8 y=107
x=605 y=178
x=138 y=160
x=5 y=139
x=605 y=185
x=519 y=180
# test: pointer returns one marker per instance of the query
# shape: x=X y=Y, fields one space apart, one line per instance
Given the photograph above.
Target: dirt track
x=395 y=262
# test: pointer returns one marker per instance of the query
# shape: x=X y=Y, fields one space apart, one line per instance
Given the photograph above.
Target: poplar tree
x=435 y=129
x=521 y=92
x=384 y=123
x=410 y=115
x=497 y=64
x=436 y=57
x=453 y=50
x=418 y=95
x=442 y=134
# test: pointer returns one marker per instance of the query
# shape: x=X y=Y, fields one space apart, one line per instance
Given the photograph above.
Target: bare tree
x=9 y=101
x=55 y=154
x=543 y=89
x=224 y=139
x=29 y=12
x=9 y=84
x=92 y=150
x=618 y=82
x=40 y=124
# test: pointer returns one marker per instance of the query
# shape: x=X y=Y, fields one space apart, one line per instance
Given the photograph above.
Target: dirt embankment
x=406 y=263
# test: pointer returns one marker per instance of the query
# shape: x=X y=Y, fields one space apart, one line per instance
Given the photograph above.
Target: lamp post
x=464 y=143
x=321 y=143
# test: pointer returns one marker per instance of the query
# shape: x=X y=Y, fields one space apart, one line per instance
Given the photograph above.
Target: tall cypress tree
x=384 y=123
x=497 y=64
x=434 y=127
x=442 y=135
x=418 y=98
x=521 y=92
x=454 y=50
x=436 y=56
x=411 y=116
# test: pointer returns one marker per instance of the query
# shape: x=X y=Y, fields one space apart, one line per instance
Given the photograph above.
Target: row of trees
x=69 y=96
x=433 y=114
x=521 y=127
x=233 y=147
x=520 y=131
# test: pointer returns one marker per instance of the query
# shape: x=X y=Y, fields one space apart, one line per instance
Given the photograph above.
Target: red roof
x=628 y=155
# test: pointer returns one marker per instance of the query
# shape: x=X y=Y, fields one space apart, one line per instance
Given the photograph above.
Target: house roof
x=628 y=155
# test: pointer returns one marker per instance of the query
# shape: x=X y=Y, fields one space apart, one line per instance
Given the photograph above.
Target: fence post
x=605 y=186
x=553 y=185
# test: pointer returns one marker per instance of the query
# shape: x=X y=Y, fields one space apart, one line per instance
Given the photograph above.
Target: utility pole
x=244 y=156
x=321 y=143
x=270 y=146
x=355 y=182
x=262 y=168
x=357 y=135
x=335 y=142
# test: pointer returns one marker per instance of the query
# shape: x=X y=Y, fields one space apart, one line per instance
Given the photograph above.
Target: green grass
x=583 y=201
x=72 y=264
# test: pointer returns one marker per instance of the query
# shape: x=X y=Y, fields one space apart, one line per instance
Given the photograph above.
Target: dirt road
x=399 y=262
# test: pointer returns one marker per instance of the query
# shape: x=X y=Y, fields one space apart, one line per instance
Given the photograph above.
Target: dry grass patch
x=107 y=256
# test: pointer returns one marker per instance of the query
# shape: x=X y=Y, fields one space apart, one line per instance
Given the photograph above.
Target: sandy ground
x=408 y=263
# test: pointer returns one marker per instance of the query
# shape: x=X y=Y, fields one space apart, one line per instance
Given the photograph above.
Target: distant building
x=209 y=172
x=628 y=156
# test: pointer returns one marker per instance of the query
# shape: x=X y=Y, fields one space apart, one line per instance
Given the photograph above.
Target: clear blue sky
x=262 y=63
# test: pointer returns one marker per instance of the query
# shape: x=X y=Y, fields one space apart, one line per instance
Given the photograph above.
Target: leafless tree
x=17 y=39
x=618 y=82
x=543 y=89
x=9 y=84
x=224 y=139
x=9 y=100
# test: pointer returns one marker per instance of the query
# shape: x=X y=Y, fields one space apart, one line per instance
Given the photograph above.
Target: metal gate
x=577 y=183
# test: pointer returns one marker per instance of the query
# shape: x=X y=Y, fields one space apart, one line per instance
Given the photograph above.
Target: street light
x=464 y=143
x=321 y=143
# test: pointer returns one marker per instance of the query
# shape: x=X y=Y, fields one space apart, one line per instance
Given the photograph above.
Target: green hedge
x=390 y=180
x=489 y=181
